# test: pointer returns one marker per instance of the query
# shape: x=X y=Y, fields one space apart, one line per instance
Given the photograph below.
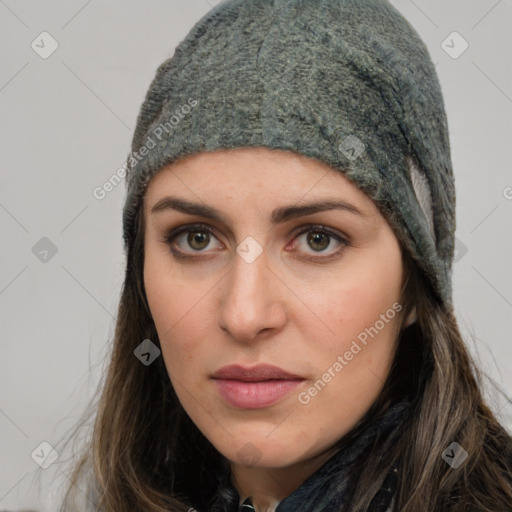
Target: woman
x=286 y=338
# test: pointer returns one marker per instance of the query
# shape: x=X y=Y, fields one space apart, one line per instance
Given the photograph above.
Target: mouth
x=254 y=388
x=258 y=373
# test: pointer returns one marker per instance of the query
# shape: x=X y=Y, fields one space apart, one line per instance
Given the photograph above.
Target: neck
x=268 y=486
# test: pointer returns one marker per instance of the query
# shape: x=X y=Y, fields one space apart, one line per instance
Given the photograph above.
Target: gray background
x=66 y=126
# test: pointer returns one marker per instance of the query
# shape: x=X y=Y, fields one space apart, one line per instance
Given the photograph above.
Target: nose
x=251 y=300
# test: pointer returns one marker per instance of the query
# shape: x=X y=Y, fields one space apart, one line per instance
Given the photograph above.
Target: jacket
x=383 y=501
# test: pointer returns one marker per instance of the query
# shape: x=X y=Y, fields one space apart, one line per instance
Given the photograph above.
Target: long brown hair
x=145 y=454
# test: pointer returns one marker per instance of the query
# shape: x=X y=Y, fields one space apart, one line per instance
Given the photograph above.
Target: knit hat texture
x=346 y=82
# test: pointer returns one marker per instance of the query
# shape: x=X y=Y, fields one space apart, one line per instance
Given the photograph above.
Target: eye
x=319 y=238
x=197 y=237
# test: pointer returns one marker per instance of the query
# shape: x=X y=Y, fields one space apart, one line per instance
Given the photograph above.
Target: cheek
x=361 y=309
x=359 y=295
x=176 y=309
x=351 y=368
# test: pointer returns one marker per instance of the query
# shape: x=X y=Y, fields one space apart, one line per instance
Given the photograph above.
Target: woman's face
x=258 y=275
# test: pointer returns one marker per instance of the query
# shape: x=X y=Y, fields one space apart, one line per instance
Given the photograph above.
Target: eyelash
x=170 y=237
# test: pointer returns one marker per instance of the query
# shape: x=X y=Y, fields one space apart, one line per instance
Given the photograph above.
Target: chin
x=253 y=452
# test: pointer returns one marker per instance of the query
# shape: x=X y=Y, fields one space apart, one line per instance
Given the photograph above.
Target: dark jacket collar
x=380 y=503
x=326 y=489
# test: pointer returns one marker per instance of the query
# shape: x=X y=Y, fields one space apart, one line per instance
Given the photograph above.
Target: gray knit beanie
x=347 y=82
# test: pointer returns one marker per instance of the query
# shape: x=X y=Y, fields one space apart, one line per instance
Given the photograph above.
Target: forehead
x=262 y=174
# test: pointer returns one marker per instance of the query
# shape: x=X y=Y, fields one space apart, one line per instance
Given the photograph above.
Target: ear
x=411 y=318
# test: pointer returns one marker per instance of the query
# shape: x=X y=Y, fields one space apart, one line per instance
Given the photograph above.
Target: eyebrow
x=281 y=214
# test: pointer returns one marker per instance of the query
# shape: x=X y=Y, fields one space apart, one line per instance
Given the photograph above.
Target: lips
x=254 y=388
x=256 y=373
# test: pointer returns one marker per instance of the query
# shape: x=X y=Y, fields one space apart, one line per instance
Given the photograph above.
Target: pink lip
x=256 y=387
x=256 y=373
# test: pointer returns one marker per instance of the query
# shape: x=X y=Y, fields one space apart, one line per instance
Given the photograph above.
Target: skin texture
x=282 y=308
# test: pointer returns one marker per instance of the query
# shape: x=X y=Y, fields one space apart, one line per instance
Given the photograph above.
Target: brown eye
x=318 y=240
x=198 y=239
x=187 y=240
